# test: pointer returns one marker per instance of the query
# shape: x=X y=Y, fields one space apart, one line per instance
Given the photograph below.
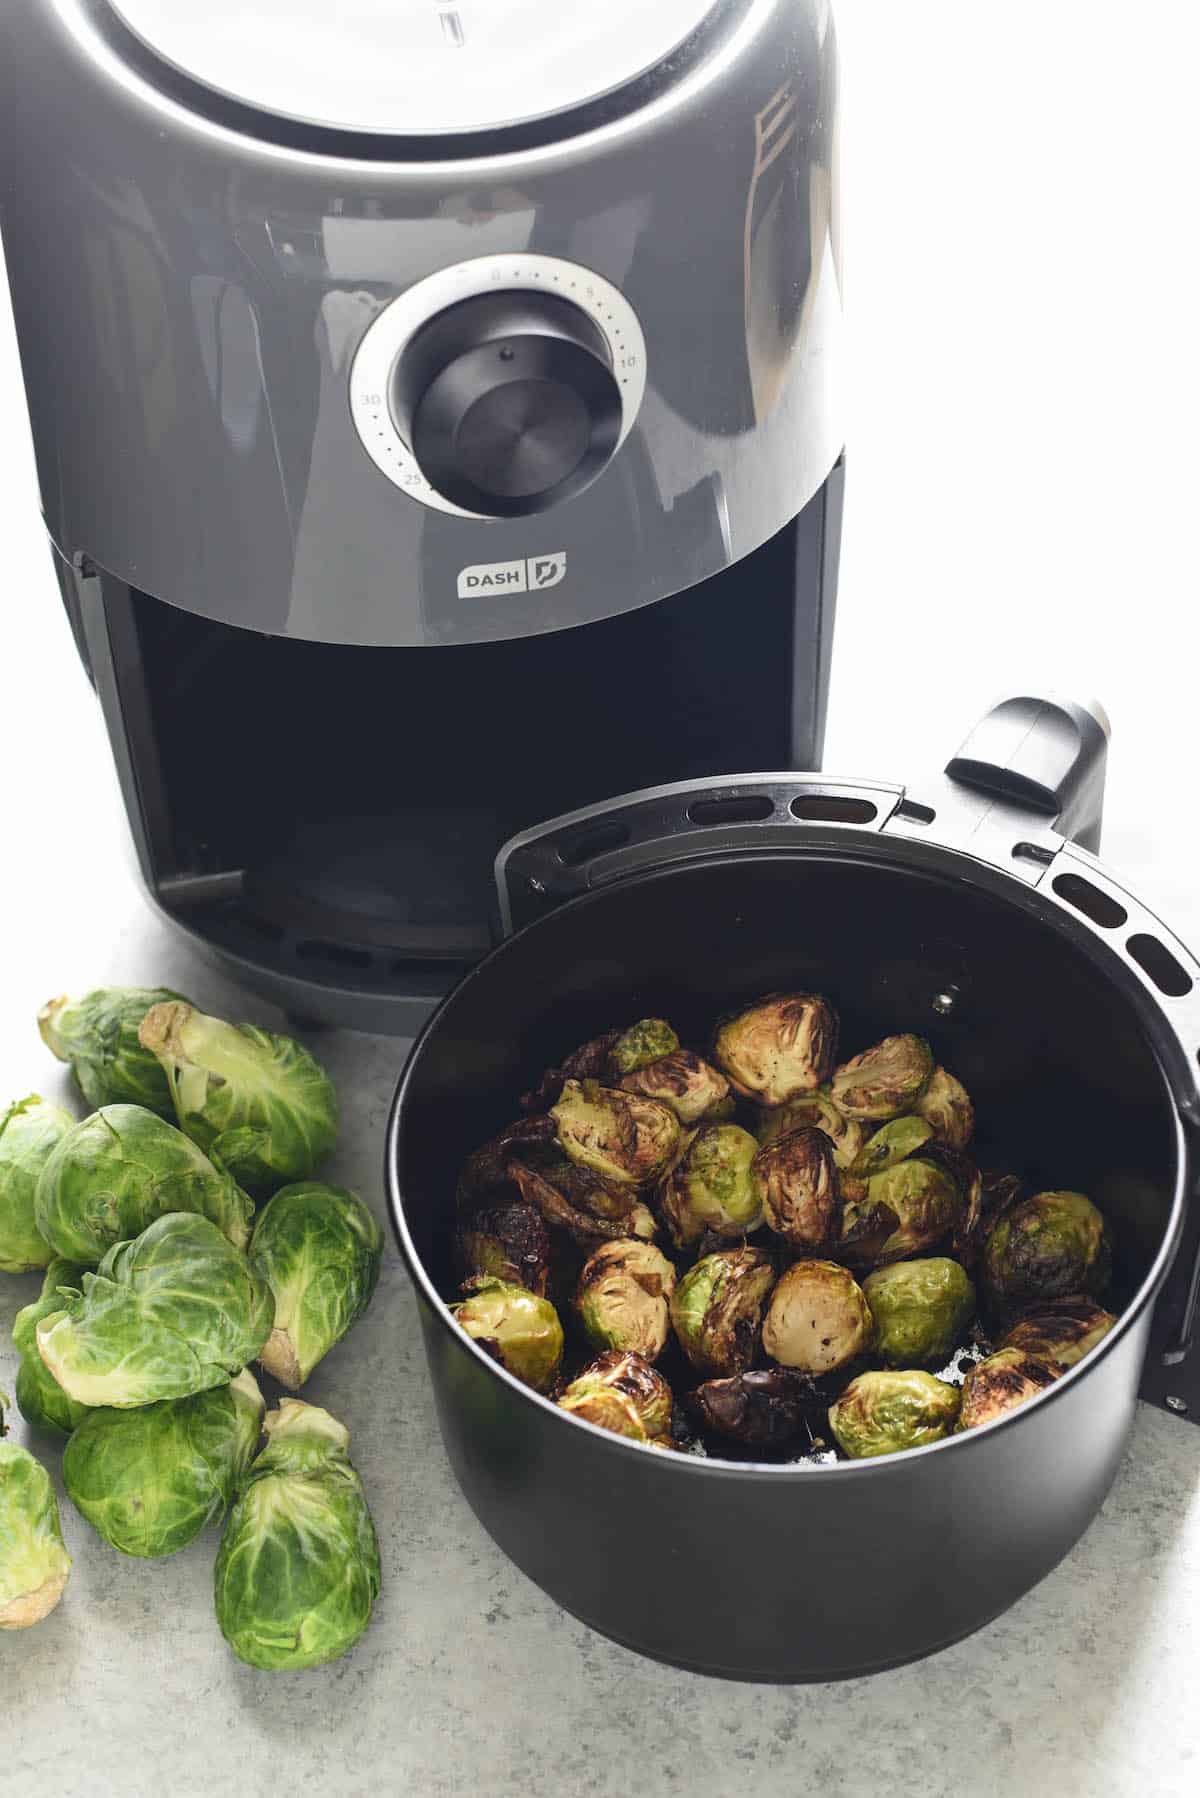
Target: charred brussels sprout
x=29 y=1132
x=927 y=1201
x=34 y=1564
x=1047 y=1247
x=1002 y=1382
x=946 y=1106
x=623 y=1298
x=713 y=1187
x=760 y=1409
x=646 y=1041
x=1061 y=1330
x=625 y=1139
x=621 y=1392
x=778 y=1048
x=883 y=1081
x=578 y=1201
x=921 y=1309
x=818 y=1319
x=517 y=1328
x=98 y=1036
x=892 y=1143
x=40 y=1398
x=319 y=1250
x=887 y=1413
x=510 y=1243
x=817 y=1111
x=695 y=1091
x=717 y=1309
x=799 y=1190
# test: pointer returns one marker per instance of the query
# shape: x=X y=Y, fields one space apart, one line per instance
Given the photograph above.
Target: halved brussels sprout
x=892 y=1143
x=946 y=1106
x=319 y=1250
x=297 y=1573
x=623 y=1298
x=260 y=1103
x=34 y=1564
x=113 y=1174
x=695 y=1090
x=578 y=1201
x=778 y=1048
x=1060 y=1330
x=713 y=1187
x=816 y=1111
x=884 y=1080
x=867 y=1224
x=888 y=1412
x=799 y=1190
x=646 y=1041
x=621 y=1392
x=624 y=1138
x=1047 y=1247
x=1002 y=1382
x=717 y=1309
x=927 y=1200
x=149 y=1480
x=818 y=1319
x=921 y=1309
x=174 y=1312
x=761 y=1408
x=517 y=1328
x=41 y=1399
x=30 y=1131
x=606 y=1058
x=98 y=1036
x=510 y=1243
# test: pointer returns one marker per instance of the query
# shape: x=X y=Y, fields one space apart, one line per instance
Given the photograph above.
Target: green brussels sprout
x=34 y=1564
x=816 y=1111
x=149 y=1480
x=713 y=1186
x=818 y=1319
x=717 y=1309
x=887 y=1413
x=637 y=1047
x=778 y=1048
x=1002 y=1382
x=1060 y=1331
x=517 y=1328
x=695 y=1090
x=41 y=1399
x=625 y=1139
x=260 y=1103
x=885 y=1080
x=892 y=1143
x=1047 y=1247
x=175 y=1311
x=799 y=1190
x=621 y=1392
x=117 y=1171
x=928 y=1203
x=921 y=1309
x=319 y=1250
x=297 y=1573
x=507 y=1242
x=946 y=1106
x=98 y=1036
x=760 y=1409
x=623 y=1298
x=29 y=1131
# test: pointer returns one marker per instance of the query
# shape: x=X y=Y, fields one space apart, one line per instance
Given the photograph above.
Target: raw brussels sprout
x=946 y=1106
x=921 y=1309
x=621 y=1392
x=509 y=1242
x=149 y=1480
x=297 y=1572
x=517 y=1328
x=713 y=1186
x=886 y=1413
x=817 y=1111
x=260 y=1103
x=760 y=1408
x=799 y=1190
x=818 y=1319
x=29 y=1131
x=318 y=1249
x=892 y=1142
x=695 y=1090
x=885 y=1080
x=644 y=1042
x=1060 y=1330
x=625 y=1139
x=34 y=1564
x=41 y=1399
x=1047 y=1247
x=117 y=1171
x=173 y=1312
x=778 y=1048
x=98 y=1035
x=717 y=1309
x=623 y=1298
x=927 y=1201
x=1002 y=1382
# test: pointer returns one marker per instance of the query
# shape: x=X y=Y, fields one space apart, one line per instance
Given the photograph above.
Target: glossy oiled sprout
x=818 y=1319
x=1004 y=1381
x=885 y=1080
x=319 y=1250
x=888 y=1412
x=927 y=1201
x=800 y=1190
x=98 y=1036
x=778 y=1048
x=761 y=1409
x=1060 y=1331
x=695 y=1090
x=517 y=1328
x=29 y=1132
x=717 y=1308
x=1047 y=1247
x=621 y=1392
x=713 y=1186
x=921 y=1309
x=623 y=1298
x=40 y=1398
x=625 y=1139
x=946 y=1106
x=34 y=1564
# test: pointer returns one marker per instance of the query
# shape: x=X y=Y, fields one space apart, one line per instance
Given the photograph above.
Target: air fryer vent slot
x=1094 y=904
x=1156 y=960
x=753 y=808
x=834 y=808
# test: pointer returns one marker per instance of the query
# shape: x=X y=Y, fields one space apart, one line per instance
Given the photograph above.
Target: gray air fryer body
x=435 y=408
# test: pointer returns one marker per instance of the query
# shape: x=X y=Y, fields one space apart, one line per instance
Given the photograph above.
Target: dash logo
x=532 y=575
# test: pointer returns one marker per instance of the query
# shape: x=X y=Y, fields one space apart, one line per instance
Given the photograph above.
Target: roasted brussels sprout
x=34 y=1564
x=867 y=1224
x=1047 y=1247
x=921 y=1309
x=886 y=1413
x=1002 y=1382
x=883 y=1081
x=606 y=1058
x=98 y=1036
x=713 y=1187
x=260 y=1103
x=946 y=1106
x=927 y=1200
x=625 y=1139
x=319 y=1250
x=41 y=1399
x=717 y=1309
x=297 y=1573
x=621 y=1392
x=818 y=1319
x=692 y=1087
x=623 y=1298
x=113 y=1174
x=892 y=1142
x=760 y=1409
x=799 y=1190
x=517 y=1328
x=578 y=1201
x=509 y=1242
x=816 y=1111
x=646 y=1041
x=174 y=1312
x=1060 y=1330
x=29 y=1131
x=778 y=1048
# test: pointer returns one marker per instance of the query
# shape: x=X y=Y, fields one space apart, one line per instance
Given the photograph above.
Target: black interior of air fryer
x=1066 y=1086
